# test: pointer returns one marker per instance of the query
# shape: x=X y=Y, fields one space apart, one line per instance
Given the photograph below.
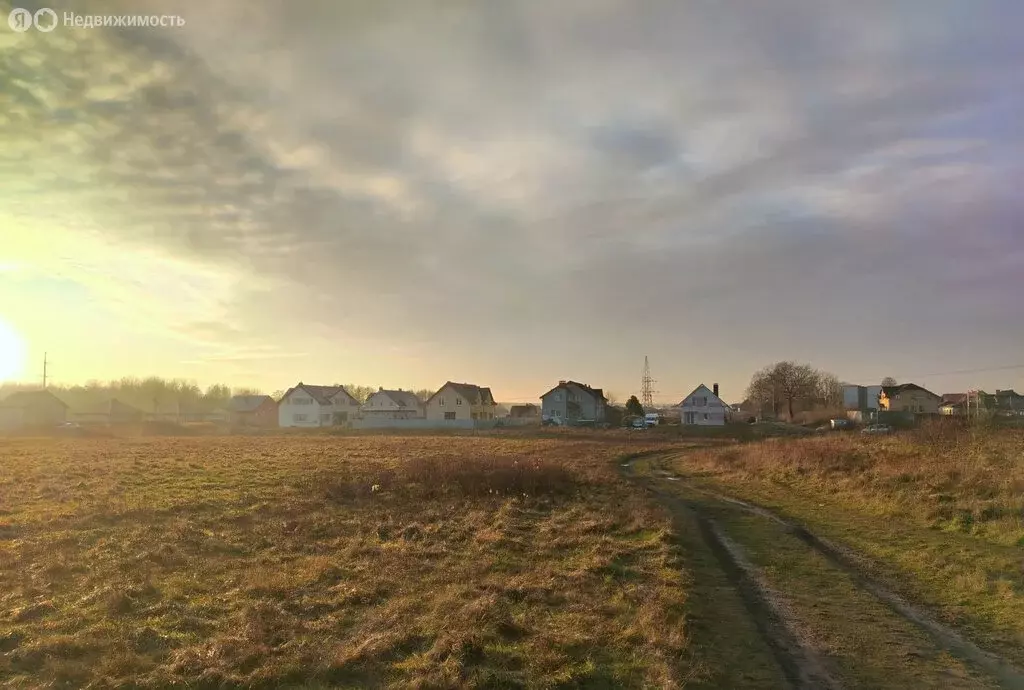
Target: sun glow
x=12 y=352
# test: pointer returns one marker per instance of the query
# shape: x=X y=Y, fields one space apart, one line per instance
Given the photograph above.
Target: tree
x=889 y=381
x=830 y=390
x=611 y=398
x=633 y=407
x=423 y=394
x=785 y=383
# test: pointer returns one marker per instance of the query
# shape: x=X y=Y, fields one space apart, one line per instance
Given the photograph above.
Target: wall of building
x=295 y=404
x=422 y=423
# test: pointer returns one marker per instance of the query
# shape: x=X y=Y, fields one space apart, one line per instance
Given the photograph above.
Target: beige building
x=909 y=397
x=461 y=401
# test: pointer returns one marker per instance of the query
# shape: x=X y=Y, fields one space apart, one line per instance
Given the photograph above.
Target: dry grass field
x=937 y=512
x=318 y=561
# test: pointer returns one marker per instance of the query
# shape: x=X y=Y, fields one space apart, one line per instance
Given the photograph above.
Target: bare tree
x=830 y=390
x=611 y=398
x=889 y=381
x=785 y=383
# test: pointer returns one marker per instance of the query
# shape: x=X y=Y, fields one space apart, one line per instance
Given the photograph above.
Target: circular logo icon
x=19 y=19
x=46 y=20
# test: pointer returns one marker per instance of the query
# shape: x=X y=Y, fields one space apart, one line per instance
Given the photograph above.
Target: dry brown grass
x=940 y=510
x=334 y=561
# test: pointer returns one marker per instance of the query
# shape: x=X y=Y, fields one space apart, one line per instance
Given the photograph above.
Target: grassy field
x=937 y=514
x=317 y=561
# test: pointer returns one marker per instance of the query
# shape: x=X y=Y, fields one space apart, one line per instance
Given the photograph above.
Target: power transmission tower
x=647 y=388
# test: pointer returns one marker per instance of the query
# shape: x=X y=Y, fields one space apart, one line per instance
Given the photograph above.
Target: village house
x=32 y=410
x=254 y=411
x=571 y=401
x=953 y=404
x=461 y=401
x=393 y=404
x=108 y=412
x=306 y=405
x=527 y=411
x=703 y=407
x=908 y=397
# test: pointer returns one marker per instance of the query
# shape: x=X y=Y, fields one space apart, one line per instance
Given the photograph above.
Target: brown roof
x=474 y=394
x=890 y=391
x=596 y=392
x=402 y=398
x=322 y=394
x=29 y=398
x=247 y=403
x=953 y=398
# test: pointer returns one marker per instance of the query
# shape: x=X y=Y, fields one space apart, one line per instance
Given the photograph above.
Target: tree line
x=153 y=393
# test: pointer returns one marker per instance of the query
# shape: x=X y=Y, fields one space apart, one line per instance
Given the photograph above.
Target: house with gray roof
x=393 y=404
x=306 y=405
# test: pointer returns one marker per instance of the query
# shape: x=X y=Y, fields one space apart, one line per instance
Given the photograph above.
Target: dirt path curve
x=803 y=667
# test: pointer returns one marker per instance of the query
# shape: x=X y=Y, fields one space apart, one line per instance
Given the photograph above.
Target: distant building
x=703 y=407
x=527 y=411
x=908 y=397
x=254 y=411
x=570 y=402
x=393 y=404
x=306 y=405
x=109 y=412
x=860 y=397
x=953 y=404
x=461 y=401
x=32 y=410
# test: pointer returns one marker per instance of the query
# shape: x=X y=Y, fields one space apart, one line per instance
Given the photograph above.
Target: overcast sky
x=510 y=192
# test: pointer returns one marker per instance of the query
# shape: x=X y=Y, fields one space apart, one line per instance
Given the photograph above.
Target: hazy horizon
x=513 y=193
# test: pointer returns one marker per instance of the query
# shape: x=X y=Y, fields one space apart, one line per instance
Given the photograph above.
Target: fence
x=373 y=423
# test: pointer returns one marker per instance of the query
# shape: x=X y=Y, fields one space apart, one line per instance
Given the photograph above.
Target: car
x=877 y=429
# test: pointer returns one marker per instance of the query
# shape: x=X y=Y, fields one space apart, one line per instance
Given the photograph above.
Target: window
x=705 y=415
x=449 y=415
x=440 y=402
x=458 y=401
x=302 y=401
x=298 y=417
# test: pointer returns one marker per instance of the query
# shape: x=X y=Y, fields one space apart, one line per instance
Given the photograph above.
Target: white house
x=703 y=407
x=397 y=404
x=313 y=406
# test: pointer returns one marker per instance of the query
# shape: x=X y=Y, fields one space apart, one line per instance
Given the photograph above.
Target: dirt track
x=783 y=632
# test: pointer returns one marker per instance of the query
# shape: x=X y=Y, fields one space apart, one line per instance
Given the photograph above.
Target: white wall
x=294 y=405
x=711 y=413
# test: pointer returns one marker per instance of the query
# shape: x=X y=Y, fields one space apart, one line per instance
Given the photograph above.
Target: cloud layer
x=555 y=186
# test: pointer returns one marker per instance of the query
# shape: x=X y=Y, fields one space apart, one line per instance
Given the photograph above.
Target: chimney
x=716 y=390
x=561 y=383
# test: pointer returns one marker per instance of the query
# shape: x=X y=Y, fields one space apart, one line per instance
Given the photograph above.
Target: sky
x=513 y=192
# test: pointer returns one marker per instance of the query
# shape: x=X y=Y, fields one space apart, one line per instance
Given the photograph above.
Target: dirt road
x=780 y=607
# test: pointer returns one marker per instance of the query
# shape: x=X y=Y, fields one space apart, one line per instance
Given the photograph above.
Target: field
x=534 y=559
x=318 y=561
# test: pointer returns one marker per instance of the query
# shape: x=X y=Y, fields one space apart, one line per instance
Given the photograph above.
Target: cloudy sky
x=510 y=192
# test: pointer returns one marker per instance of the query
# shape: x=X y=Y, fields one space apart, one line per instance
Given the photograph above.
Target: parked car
x=652 y=419
x=877 y=429
x=639 y=423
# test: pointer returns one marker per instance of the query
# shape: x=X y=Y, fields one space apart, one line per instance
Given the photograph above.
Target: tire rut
x=800 y=664
x=1008 y=675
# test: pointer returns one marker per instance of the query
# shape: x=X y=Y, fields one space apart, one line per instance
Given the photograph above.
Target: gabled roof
x=401 y=398
x=474 y=394
x=595 y=392
x=703 y=390
x=107 y=407
x=953 y=398
x=247 y=403
x=890 y=391
x=30 y=398
x=322 y=394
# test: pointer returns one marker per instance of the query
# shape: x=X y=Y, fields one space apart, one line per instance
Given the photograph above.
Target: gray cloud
x=490 y=170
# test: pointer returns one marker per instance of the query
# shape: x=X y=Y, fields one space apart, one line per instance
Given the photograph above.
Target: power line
x=647 y=387
x=965 y=371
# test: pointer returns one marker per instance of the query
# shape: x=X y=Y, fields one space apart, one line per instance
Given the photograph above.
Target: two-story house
x=908 y=397
x=461 y=401
x=571 y=401
x=312 y=406
x=703 y=407
x=396 y=404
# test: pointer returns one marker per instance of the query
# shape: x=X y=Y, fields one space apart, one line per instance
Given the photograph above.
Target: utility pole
x=45 y=364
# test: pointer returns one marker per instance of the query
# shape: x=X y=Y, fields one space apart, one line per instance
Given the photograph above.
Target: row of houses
x=913 y=399
x=572 y=402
